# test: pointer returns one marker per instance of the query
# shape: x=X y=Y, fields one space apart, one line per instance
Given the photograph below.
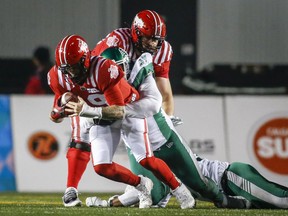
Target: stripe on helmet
x=61 y=50
x=157 y=21
x=65 y=47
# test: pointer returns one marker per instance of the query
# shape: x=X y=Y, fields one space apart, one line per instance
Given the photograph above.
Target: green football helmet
x=120 y=56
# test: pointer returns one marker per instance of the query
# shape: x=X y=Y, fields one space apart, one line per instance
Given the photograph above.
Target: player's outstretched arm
x=81 y=108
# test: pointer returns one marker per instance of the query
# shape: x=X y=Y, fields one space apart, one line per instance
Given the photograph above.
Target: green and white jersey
x=142 y=68
x=159 y=124
x=160 y=129
x=212 y=169
x=141 y=77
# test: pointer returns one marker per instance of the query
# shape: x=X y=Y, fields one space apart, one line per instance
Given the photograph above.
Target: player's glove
x=176 y=120
x=58 y=112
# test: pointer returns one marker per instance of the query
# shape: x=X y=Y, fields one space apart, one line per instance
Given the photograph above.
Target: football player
x=147 y=34
x=76 y=72
x=149 y=37
x=234 y=179
x=100 y=82
x=241 y=179
x=166 y=143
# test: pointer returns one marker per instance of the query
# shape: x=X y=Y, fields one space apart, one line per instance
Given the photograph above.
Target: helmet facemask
x=145 y=47
x=125 y=65
x=77 y=73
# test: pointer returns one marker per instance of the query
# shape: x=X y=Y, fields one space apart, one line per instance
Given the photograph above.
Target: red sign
x=270 y=145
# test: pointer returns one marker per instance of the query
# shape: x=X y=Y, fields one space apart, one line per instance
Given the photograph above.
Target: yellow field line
x=29 y=203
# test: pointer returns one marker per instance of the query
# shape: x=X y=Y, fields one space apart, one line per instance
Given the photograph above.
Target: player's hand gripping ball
x=58 y=113
x=65 y=98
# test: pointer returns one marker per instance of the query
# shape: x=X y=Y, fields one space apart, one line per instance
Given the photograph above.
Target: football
x=68 y=96
x=65 y=98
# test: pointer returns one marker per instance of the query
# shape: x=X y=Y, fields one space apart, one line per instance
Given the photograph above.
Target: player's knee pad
x=80 y=145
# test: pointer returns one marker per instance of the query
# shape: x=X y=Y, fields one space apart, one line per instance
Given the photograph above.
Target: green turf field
x=39 y=204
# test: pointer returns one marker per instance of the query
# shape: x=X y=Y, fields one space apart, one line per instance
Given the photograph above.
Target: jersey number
x=96 y=99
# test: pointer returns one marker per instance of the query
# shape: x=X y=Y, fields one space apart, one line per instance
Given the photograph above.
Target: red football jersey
x=122 y=38
x=105 y=84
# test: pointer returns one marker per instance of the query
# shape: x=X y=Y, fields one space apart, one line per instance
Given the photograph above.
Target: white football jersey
x=212 y=169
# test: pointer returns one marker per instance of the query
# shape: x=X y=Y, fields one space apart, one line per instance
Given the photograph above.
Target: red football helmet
x=72 y=57
x=148 y=24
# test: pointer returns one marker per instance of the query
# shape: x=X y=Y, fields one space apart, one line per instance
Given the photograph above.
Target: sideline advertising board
x=258 y=134
x=40 y=147
x=203 y=127
x=7 y=171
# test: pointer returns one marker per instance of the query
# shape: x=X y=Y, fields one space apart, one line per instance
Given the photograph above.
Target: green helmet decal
x=119 y=55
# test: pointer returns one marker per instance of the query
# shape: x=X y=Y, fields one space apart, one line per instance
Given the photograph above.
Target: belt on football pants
x=80 y=145
x=103 y=122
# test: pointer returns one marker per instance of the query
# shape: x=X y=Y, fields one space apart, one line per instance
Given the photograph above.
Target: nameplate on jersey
x=92 y=90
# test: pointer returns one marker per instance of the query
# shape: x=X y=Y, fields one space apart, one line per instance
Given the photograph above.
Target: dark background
x=183 y=14
x=18 y=71
x=15 y=74
x=181 y=21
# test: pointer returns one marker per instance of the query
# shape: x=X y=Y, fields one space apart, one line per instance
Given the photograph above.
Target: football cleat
x=144 y=188
x=96 y=202
x=70 y=198
x=234 y=202
x=184 y=197
x=163 y=203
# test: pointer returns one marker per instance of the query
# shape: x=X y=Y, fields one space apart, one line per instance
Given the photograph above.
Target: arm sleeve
x=99 y=48
x=162 y=70
x=149 y=103
x=162 y=60
x=53 y=82
x=113 y=95
x=109 y=75
x=111 y=40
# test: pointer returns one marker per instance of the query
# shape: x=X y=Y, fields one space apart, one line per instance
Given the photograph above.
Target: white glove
x=176 y=120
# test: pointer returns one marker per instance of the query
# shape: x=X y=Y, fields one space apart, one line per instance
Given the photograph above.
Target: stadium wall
x=250 y=129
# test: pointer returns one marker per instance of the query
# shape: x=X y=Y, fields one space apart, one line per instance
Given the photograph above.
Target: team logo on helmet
x=112 y=41
x=113 y=71
x=83 y=46
x=138 y=22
